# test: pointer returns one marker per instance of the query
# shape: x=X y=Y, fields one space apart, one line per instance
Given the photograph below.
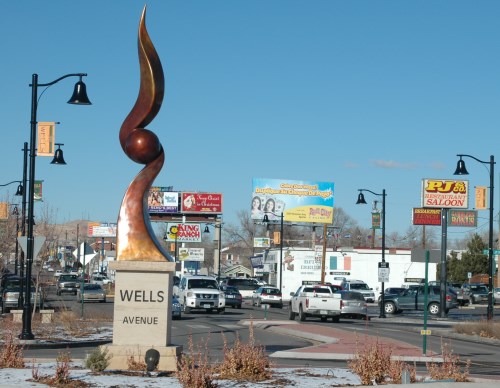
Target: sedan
x=267 y=295
x=353 y=305
x=233 y=296
x=90 y=293
x=496 y=295
x=176 y=308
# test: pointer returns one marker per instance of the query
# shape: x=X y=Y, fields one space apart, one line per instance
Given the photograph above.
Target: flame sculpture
x=135 y=237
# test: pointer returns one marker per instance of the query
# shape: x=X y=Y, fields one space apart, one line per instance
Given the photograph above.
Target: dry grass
x=450 y=367
x=374 y=366
x=245 y=361
x=194 y=370
x=134 y=365
x=485 y=329
x=11 y=354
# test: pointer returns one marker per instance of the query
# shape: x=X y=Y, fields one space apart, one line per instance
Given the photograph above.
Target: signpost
x=383 y=271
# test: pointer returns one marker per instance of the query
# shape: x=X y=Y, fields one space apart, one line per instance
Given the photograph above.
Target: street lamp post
x=79 y=97
x=461 y=170
x=266 y=220
x=217 y=226
x=361 y=200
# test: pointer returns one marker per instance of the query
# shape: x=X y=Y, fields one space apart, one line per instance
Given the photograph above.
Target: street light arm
x=11 y=183
x=491 y=162
x=383 y=194
x=61 y=78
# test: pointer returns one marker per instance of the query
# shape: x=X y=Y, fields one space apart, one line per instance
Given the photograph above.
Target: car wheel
x=239 y=306
x=221 y=311
x=434 y=309
x=389 y=308
x=103 y=301
x=472 y=301
x=336 y=319
x=291 y=314
x=280 y=306
x=185 y=308
x=58 y=293
x=323 y=319
x=302 y=315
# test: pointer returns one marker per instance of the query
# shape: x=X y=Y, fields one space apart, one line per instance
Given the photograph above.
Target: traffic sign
x=383 y=271
x=37 y=244
x=425 y=332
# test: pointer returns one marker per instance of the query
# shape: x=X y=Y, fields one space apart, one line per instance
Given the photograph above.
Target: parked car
x=390 y=291
x=176 y=308
x=413 y=299
x=233 y=296
x=353 y=305
x=362 y=287
x=91 y=293
x=246 y=286
x=478 y=293
x=100 y=279
x=58 y=273
x=464 y=295
x=10 y=294
x=496 y=295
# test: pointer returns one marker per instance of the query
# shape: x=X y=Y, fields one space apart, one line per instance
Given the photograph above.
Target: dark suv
x=413 y=299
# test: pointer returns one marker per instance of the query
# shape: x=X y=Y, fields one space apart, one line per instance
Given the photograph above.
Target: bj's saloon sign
x=440 y=193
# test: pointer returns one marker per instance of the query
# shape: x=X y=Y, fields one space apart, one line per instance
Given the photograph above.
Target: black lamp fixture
x=461 y=170
x=361 y=201
x=266 y=220
x=79 y=97
x=20 y=188
x=58 y=155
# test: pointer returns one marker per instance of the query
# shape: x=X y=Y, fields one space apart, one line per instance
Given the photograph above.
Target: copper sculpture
x=135 y=237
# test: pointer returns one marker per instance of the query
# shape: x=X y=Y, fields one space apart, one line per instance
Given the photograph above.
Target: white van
x=362 y=287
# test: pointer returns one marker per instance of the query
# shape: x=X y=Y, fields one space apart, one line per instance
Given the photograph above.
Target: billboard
x=162 y=201
x=462 y=218
x=298 y=201
x=201 y=203
x=441 y=193
x=98 y=229
x=183 y=232
x=261 y=242
x=192 y=254
x=423 y=216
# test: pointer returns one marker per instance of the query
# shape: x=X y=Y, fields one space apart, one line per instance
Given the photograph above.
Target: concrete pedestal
x=142 y=313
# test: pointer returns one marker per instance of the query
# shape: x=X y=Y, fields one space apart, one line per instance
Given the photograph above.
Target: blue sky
x=365 y=94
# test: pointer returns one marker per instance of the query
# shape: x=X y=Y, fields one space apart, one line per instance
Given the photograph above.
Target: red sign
x=462 y=218
x=423 y=216
x=201 y=203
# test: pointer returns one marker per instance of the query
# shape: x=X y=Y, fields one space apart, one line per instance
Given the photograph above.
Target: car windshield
x=65 y=278
x=360 y=286
x=271 y=291
x=202 y=283
x=352 y=295
x=92 y=287
x=481 y=289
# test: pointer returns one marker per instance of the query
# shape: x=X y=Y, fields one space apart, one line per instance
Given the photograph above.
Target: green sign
x=495 y=251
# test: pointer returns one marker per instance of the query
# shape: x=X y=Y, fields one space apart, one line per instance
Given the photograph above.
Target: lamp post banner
x=4 y=211
x=46 y=138
x=37 y=194
x=298 y=201
x=442 y=193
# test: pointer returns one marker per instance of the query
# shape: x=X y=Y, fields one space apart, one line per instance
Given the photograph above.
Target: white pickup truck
x=315 y=301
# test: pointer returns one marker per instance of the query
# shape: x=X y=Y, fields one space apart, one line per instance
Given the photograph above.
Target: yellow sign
x=425 y=332
x=46 y=138
x=480 y=197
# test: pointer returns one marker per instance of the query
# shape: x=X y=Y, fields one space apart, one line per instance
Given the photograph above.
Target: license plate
x=323 y=312
x=207 y=306
x=229 y=296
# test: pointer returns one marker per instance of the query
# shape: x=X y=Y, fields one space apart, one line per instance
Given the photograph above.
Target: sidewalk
x=338 y=344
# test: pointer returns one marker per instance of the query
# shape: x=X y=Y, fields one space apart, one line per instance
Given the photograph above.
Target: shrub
x=97 y=360
x=193 y=370
x=132 y=364
x=247 y=362
x=486 y=329
x=11 y=354
x=373 y=365
x=450 y=367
